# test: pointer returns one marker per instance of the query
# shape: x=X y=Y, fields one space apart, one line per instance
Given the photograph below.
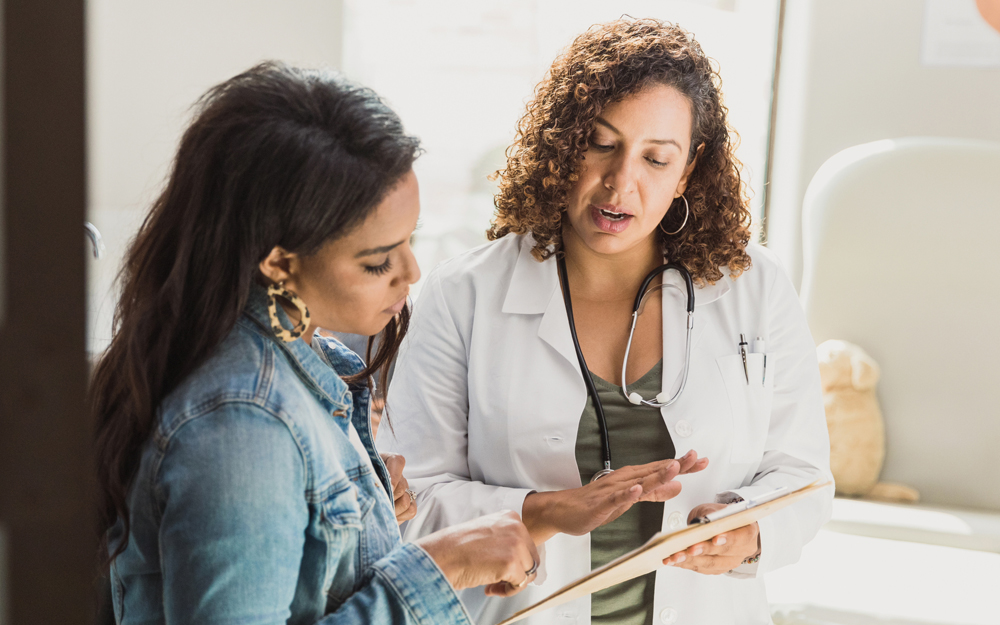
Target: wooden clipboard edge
x=696 y=534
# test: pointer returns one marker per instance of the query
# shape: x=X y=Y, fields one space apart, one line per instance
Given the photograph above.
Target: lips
x=610 y=218
x=397 y=307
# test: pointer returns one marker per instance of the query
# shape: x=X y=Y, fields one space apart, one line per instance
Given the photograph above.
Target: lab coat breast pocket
x=749 y=402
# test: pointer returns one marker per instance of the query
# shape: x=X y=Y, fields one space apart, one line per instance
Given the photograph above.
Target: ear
x=278 y=265
x=683 y=182
x=864 y=372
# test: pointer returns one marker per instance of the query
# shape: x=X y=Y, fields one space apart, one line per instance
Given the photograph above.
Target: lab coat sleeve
x=797 y=448
x=428 y=408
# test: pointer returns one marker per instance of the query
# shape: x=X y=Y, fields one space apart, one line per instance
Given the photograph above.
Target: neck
x=293 y=316
x=606 y=277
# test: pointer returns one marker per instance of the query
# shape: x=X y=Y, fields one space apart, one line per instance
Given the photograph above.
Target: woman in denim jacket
x=239 y=480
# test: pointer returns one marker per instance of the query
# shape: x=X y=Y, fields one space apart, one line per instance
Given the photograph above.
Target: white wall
x=147 y=64
x=850 y=74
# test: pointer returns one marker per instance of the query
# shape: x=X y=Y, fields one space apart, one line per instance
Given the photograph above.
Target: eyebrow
x=377 y=250
x=604 y=122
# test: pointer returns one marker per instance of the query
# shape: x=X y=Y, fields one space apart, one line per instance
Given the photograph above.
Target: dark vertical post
x=46 y=502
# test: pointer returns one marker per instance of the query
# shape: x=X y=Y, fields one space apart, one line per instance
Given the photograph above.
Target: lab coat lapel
x=534 y=289
x=675 y=322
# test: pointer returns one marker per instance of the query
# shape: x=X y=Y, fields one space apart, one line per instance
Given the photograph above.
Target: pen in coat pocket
x=743 y=352
x=758 y=348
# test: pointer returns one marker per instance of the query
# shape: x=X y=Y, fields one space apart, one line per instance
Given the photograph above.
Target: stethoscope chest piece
x=601 y=474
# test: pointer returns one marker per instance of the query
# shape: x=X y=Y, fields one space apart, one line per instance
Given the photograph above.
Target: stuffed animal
x=857 y=432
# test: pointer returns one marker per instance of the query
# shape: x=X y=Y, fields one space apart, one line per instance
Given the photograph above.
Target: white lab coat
x=487 y=397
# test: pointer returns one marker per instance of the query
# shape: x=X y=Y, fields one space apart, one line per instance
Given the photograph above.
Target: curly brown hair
x=604 y=65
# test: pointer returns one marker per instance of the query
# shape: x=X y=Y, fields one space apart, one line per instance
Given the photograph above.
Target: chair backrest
x=902 y=256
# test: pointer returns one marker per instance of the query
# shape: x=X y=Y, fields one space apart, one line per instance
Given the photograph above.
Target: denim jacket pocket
x=341 y=514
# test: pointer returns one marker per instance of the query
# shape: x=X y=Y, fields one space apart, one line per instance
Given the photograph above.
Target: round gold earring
x=273 y=293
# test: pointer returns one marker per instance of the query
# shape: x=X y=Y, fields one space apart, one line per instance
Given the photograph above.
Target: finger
x=406 y=515
x=709 y=565
x=631 y=472
x=399 y=486
x=663 y=493
x=700 y=465
x=663 y=475
x=623 y=498
x=500 y=589
x=687 y=460
x=402 y=503
x=691 y=463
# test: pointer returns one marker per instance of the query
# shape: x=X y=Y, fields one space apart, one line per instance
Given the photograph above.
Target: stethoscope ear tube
x=649 y=278
x=587 y=379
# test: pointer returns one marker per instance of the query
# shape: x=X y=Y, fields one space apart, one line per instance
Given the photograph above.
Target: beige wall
x=147 y=64
x=850 y=74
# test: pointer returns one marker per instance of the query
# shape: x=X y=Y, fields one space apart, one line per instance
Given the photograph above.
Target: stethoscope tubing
x=588 y=380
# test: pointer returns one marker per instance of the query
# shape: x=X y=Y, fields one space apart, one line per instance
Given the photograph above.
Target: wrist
x=444 y=556
x=537 y=515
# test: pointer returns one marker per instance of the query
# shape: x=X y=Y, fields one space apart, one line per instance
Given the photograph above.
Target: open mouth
x=613 y=216
x=608 y=219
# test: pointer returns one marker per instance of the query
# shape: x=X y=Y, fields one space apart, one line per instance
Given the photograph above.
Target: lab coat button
x=668 y=616
x=674 y=520
x=683 y=429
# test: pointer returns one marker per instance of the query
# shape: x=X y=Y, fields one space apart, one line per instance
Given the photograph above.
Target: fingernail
x=669 y=563
x=681 y=557
x=697 y=551
x=721 y=541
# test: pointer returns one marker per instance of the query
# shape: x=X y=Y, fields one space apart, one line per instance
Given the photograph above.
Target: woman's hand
x=577 y=511
x=723 y=553
x=495 y=550
x=406 y=506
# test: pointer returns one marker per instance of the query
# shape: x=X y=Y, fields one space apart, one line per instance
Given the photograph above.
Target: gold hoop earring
x=273 y=293
x=687 y=212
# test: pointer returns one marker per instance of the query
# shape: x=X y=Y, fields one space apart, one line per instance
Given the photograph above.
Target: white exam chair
x=902 y=256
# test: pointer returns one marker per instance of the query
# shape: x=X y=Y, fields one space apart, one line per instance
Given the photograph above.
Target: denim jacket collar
x=316 y=374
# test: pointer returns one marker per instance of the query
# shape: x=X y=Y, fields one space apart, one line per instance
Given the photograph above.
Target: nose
x=620 y=175
x=410 y=272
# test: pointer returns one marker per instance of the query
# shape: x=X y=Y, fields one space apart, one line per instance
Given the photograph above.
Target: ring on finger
x=413 y=495
x=527 y=574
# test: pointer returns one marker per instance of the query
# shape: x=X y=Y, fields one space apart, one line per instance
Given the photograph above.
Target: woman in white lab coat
x=623 y=162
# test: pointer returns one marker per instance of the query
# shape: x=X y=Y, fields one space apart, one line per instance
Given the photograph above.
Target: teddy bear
x=853 y=416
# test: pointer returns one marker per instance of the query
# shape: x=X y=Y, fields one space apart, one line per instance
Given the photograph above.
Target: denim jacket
x=251 y=505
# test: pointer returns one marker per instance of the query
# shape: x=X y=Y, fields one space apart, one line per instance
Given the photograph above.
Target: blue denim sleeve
x=405 y=586
x=231 y=487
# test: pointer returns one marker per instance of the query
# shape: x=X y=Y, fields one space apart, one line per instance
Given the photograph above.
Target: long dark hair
x=276 y=156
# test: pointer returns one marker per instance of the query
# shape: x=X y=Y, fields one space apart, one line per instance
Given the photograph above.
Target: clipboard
x=650 y=556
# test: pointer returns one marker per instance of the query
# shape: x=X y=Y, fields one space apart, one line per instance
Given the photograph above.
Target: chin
x=609 y=244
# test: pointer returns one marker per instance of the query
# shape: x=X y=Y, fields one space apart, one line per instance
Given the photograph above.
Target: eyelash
x=608 y=148
x=378 y=270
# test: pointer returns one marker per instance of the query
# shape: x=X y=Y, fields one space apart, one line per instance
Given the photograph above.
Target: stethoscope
x=661 y=399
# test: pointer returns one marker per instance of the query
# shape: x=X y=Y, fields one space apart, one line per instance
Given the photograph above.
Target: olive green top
x=637 y=436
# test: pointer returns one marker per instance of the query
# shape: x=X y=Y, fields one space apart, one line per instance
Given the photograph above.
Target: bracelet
x=752 y=560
